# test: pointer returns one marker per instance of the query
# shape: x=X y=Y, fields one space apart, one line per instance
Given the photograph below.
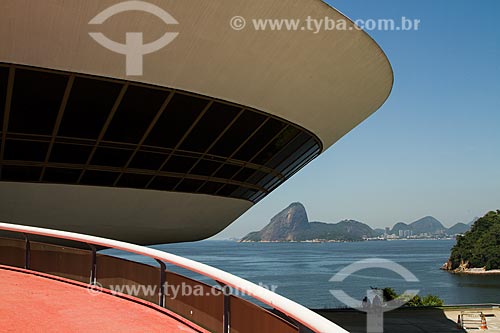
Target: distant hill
x=426 y=224
x=430 y=225
x=458 y=229
x=292 y=224
x=399 y=226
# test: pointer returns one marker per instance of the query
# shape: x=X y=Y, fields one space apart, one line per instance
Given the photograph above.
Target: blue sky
x=434 y=147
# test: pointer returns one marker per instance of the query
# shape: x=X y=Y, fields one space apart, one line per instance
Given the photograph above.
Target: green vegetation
x=412 y=300
x=480 y=246
x=389 y=294
x=429 y=300
x=347 y=231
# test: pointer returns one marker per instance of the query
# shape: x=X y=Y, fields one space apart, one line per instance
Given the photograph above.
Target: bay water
x=302 y=271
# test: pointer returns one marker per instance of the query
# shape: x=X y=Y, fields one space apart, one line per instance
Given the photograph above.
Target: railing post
x=163 y=268
x=93 y=268
x=226 y=317
x=227 y=314
x=27 y=252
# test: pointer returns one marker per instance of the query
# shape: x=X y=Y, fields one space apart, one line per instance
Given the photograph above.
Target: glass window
x=227 y=171
x=247 y=193
x=260 y=139
x=276 y=145
x=58 y=175
x=26 y=150
x=179 y=164
x=257 y=197
x=88 y=107
x=21 y=173
x=66 y=153
x=180 y=114
x=210 y=187
x=303 y=160
x=111 y=157
x=243 y=127
x=295 y=145
x=149 y=161
x=227 y=190
x=298 y=156
x=256 y=177
x=134 y=115
x=100 y=178
x=205 y=168
x=36 y=100
x=237 y=137
x=189 y=185
x=211 y=125
x=244 y=174
x=134 y=180
x=163 y=183
x=4 y=77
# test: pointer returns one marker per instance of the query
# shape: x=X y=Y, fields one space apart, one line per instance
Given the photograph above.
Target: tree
x=480 y=246
x=411 y=300
x=432 y=300
x=389 y=294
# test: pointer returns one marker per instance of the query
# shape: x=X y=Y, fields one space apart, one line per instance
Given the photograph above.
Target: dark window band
x=68 y=128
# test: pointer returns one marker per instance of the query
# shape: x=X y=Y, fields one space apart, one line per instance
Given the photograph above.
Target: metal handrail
x=293 y=310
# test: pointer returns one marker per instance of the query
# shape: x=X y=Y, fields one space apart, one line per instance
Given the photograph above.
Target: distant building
x=405 y=233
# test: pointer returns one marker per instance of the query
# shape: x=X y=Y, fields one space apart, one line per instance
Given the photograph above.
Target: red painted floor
x=32 y=303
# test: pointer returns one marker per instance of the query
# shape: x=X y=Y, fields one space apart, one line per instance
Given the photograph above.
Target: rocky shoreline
x=478 y=271
x=465 y=268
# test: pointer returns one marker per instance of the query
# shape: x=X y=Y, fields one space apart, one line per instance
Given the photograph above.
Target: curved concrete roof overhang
x=326 y=82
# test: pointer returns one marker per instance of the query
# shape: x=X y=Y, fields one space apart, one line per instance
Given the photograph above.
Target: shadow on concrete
x=407 y=320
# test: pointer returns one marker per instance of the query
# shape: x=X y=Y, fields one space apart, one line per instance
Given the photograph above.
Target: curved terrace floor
x=33 y=302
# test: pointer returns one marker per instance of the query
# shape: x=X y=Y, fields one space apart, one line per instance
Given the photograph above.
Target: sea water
x=302 y=271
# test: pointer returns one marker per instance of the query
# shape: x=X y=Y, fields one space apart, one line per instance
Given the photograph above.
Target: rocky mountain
x=399 y=226
x=458 y=229
x=430 y=225
x=284 y=226
x=426 y=224
x=292 y=224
